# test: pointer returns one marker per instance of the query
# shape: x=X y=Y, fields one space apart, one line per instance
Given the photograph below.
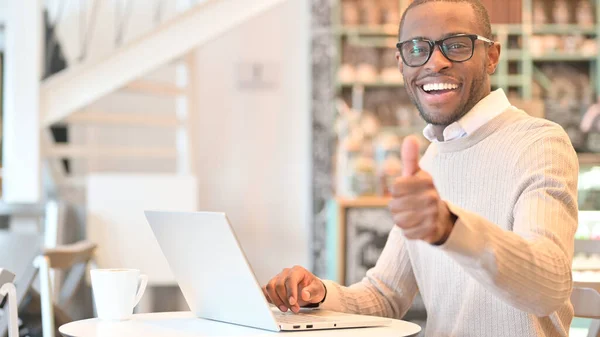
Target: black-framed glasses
x=456 y=48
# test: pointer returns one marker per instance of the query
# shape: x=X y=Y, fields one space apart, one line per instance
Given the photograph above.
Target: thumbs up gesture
x=416 y=205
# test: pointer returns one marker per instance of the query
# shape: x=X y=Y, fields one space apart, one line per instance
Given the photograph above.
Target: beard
x=476 y=93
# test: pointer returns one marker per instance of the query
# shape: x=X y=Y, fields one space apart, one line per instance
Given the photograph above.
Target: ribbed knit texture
x=505 y=270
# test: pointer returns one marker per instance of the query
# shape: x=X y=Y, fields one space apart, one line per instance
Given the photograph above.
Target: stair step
x=70 y=151
x=155 y=88
x=79 y=181
x=78 y=86
x=128 y=119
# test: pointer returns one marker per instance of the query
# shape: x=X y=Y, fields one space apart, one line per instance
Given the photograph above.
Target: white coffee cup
x=117 y=292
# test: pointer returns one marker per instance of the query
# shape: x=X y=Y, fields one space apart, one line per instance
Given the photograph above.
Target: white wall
x=254 y=149
x=21 y=141
x=3 y=11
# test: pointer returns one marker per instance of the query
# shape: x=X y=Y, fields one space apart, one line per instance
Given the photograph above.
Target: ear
x=400 y=62
x=493 y=57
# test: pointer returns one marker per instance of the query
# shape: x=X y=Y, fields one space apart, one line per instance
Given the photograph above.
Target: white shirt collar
x=484 y=111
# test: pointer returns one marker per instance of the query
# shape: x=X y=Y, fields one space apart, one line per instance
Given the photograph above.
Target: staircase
x=70 y=96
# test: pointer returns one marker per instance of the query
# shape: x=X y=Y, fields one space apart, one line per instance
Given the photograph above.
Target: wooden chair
x=17 y=253
x=74 y=257
x=7 y=289
x=586 y=303
x=586 y=295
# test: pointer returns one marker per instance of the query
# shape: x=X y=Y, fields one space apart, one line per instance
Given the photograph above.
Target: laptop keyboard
x=291 y=318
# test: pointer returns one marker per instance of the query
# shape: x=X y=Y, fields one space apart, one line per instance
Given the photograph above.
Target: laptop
x=218 y=282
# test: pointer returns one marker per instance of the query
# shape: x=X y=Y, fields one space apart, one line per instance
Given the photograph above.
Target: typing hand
x=416 y=205
x=294 y=288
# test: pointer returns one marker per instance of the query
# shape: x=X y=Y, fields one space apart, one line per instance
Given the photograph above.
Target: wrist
x=448 y=224
x=325 y=292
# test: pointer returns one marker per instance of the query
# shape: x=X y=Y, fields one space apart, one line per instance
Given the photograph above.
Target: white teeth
x=439 y=86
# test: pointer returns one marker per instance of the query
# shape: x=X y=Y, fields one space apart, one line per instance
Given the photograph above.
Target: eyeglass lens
x=457 y=49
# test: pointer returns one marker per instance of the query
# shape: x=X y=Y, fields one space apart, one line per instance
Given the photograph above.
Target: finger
x=281 y=290
x=271 y=291
x=410 y=156
x=292 y=283
x=409 y=185
x=417 y=203
x=416 y=233
x=406 y=220
x=424 y=230
x=416 y=218
x=266 y=294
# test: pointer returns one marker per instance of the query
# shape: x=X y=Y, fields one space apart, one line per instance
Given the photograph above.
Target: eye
x=457 y=46
x=417 y=50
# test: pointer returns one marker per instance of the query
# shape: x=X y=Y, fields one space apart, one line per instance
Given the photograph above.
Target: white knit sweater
x=506 y=267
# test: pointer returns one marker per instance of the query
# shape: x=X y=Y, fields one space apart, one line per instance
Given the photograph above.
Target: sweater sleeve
x=387 y=290
x=528 y=267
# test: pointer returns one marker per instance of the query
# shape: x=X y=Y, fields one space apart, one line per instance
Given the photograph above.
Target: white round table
x=180 y=324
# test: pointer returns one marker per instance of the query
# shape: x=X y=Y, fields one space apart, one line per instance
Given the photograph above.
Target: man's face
x=435 y=21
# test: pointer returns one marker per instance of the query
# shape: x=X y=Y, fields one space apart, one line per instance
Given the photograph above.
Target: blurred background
x=285 y=114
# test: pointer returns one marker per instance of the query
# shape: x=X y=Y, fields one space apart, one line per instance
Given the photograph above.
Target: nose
x=438 y=61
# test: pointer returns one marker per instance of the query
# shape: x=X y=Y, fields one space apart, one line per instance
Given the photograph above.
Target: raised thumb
x=410 y=156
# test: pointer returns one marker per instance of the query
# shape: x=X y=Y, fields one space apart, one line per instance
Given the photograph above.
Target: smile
x=440 y=93
x=431 y=87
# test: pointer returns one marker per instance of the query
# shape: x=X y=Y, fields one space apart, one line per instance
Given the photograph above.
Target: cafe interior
x=286 y=115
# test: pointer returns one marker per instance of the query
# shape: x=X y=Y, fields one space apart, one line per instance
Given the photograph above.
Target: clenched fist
x=294 y=288
x=416 y=205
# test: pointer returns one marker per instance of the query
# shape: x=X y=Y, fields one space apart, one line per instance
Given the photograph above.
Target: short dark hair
x=480 y=11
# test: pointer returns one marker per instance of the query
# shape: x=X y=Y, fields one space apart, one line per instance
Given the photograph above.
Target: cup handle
x=141 y=288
